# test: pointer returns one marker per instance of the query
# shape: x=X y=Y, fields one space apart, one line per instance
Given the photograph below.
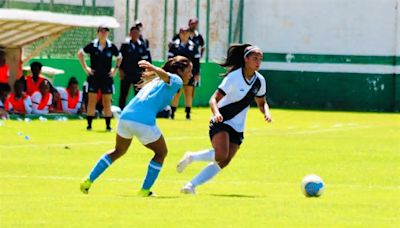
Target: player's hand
x=146 y=65
x=121 y=74
x=218 y=118
x=268 y=117
x=89 y=71
x=112 y=73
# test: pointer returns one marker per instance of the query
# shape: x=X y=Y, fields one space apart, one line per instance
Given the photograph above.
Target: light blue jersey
x=151 y=99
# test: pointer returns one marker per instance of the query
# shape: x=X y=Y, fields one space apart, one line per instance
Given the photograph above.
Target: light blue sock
x=206 y=174
x=152 y=173
x=101 y=165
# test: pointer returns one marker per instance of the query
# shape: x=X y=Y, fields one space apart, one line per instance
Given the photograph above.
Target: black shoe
x=108 y=129
x=89 y=128
x=172 y=116
x=188 y=116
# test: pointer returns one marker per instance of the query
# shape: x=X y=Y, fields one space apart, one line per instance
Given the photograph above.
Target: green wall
x=338 y=91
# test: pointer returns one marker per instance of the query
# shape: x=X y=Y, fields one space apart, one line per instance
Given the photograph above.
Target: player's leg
x=188 y=92
x=160 y=150
x=175 y=103
x=121 y=146
x=124 y=90
x=189 y=157
x=220 y=143
x=91 y=109
x=233 y=148
x=107 y=110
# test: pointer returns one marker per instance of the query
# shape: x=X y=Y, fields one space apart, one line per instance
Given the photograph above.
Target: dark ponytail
x=176 y=63
x=235 y=57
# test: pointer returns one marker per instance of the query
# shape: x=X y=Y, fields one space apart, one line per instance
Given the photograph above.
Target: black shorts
x=103 y=83
x=234 y=136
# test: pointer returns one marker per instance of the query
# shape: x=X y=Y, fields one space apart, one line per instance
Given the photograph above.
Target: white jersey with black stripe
x=235 y=87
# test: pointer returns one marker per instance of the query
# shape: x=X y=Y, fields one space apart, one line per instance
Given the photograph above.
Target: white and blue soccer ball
x=312 y=186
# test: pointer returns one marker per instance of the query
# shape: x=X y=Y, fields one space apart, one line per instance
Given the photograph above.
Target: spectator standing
x=183 y=46
x=4 y=69
x=139 y=24
x=99 y=74
x=132 y=51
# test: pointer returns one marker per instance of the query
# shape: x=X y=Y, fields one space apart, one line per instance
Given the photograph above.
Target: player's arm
x=215 y=98
x=150 y=67
x=118 y=55
x=28 y=105
x=82 y=61
x=264 y=107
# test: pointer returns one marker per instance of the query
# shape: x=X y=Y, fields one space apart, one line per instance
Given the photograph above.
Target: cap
x=101 y=27
x=193 y=21
x=184 y=29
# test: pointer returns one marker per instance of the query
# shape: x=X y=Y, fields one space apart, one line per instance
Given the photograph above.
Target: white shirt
x=236 y=86
x=36 y=98
x=27 y=105
x=64 y=101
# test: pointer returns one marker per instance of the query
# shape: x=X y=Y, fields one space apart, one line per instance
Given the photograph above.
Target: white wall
x=108 y=3
x=151 y=13
x=357 y=27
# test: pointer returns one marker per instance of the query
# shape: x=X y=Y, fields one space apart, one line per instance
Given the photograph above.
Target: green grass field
x=357 y=155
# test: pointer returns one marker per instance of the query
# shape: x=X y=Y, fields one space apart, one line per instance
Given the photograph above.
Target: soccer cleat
x=85 y=186
x=184 y=162
x=188 y=116
x=146 y=193
x=189 y=188
x=89 y=128
x=109 y=129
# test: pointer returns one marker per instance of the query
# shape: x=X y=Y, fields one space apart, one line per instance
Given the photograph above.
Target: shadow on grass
x=155 y=197
x=236 y=196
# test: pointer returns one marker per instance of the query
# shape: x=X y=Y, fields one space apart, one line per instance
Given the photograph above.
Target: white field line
x=172 y=138
x=236 y=182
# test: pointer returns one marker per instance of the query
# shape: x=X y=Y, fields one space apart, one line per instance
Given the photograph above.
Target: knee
x=224 y=163
x=117 y=153
x=221 y=157
x=162 y=154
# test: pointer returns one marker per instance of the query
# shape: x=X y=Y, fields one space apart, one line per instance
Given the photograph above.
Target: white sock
x=206 y=174
x=203 y=155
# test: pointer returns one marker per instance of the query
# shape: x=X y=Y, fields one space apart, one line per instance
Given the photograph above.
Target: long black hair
x=235 y=57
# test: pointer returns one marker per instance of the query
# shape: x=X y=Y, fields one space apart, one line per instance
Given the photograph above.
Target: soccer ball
x=312 y=186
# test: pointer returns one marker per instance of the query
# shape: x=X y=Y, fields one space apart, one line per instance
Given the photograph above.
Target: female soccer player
x=139 y=119
x=100 y=75
x=229 y=106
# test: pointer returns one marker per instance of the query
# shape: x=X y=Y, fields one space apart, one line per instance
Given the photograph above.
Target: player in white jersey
x=229 y=106
x=139 y=119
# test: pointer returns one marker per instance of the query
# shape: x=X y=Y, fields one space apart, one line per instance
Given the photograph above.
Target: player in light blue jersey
x=138 y=119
